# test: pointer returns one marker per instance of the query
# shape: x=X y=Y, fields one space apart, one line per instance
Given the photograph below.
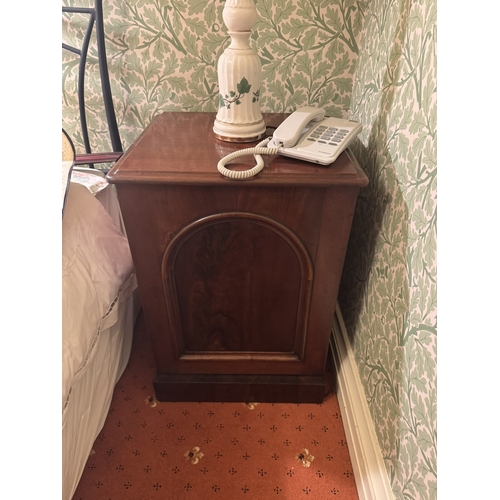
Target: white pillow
x=97 y=274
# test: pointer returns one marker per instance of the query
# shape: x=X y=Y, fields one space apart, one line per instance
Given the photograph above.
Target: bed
x=99 y=291
x=99 y=304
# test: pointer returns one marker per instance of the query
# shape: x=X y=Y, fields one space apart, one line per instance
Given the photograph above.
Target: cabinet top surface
x=181 y=148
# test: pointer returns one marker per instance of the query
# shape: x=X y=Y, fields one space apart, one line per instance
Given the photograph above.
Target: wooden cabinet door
x=238 y=285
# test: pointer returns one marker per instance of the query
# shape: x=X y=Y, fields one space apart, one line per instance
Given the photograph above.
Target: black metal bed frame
x=96 y=16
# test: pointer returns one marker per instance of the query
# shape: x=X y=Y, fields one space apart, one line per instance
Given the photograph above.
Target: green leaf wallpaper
x=388 y=290
x=162 y=56
x=372 y=61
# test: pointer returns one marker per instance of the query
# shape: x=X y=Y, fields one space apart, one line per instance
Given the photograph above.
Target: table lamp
x=239 y=118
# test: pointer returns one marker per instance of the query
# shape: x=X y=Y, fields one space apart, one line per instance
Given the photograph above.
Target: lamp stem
x=239 y=118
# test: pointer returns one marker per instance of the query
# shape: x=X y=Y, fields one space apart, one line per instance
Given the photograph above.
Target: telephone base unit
x=238 y=279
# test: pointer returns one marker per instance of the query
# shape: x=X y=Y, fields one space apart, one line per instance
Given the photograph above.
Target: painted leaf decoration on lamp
x=243 y=87
x=235 y=98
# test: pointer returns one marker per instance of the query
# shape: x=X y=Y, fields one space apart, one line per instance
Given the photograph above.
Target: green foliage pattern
x=374 y=61
x=388 y=291
x=162 y=56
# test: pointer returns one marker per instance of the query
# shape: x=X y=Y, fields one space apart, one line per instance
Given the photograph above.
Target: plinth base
x=241 y=388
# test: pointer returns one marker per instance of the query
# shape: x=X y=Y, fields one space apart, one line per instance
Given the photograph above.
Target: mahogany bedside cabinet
x=238 y=278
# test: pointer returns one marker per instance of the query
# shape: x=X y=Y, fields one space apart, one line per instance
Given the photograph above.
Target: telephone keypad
x=328 y=135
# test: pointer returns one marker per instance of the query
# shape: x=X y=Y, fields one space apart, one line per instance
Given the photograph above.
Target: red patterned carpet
x=149 y=450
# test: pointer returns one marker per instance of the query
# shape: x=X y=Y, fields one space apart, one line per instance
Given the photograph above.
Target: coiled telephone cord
x=256 y=151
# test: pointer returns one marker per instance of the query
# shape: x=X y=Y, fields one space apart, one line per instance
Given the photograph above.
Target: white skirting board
x=369 y=470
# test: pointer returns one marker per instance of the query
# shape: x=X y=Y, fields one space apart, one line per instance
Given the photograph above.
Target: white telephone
x=306 y=134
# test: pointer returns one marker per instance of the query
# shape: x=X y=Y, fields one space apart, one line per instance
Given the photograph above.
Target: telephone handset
x=288 y=133
x=306 y=134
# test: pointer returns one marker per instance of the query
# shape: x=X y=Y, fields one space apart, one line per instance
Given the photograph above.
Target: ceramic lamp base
x=239 y=133
x=238 y=117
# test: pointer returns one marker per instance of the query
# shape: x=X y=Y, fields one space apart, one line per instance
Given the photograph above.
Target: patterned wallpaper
x=162 y=56
x=388 y=291
x=374 y=61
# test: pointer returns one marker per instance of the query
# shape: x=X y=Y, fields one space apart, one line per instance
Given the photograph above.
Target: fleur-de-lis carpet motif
x=305 y=457
x=195 y=455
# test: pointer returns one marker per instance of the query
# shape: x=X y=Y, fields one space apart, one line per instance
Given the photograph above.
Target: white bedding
x=97 y=273
x=98 y=312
